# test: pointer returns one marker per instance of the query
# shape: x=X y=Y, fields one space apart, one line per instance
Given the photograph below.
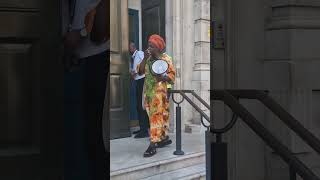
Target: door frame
x=119 y=70
x=133 y=101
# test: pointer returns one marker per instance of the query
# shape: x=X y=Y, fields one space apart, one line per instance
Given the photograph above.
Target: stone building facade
x=187 y=24
x=268 y=44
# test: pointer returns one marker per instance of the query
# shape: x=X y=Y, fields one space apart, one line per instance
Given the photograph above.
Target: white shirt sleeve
x=137 y=60
x=82 y=7
x=131 y=68
x=141 y=56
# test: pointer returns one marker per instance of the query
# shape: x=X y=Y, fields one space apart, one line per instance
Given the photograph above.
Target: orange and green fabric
x=156 y=102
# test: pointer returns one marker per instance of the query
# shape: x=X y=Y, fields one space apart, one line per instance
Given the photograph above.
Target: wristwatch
x=83 y=32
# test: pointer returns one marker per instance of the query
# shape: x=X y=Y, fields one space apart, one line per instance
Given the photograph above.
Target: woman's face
x=153 y=50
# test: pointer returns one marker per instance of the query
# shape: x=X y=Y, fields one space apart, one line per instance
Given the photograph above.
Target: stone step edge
x=193 y=175
x=157 y=163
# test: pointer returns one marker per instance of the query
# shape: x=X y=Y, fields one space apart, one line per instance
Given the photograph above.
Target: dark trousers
x=85 y=90
x=142 y=114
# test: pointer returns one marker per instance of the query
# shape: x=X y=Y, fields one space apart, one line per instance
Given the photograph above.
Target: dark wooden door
x=31 y=91
x=119 y=70
x=153 y=19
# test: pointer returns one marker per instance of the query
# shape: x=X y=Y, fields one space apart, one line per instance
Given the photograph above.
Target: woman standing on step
x=155 y=93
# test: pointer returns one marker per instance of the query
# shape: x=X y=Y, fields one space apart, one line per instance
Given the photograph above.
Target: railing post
x=209 y=140
x=219 y=159
x=293 y=174
x=178 y=132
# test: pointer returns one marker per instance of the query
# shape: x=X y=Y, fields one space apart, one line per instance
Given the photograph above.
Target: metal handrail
x=211 y=127
x=194 y=94
x=183 y=94
x=201 y=100
x=261 y=131
x=278 y=110
x=197 y=108
x=231 y=98
x=178 y=150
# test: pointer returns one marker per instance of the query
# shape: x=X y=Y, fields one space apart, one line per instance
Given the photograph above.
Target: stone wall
x=291 y=71
x=269 y=45
x=187 y=25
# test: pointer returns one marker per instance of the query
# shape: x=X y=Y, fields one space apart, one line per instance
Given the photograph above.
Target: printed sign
x=217 y=32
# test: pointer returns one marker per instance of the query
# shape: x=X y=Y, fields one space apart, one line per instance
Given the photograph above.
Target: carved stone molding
x=294 y=14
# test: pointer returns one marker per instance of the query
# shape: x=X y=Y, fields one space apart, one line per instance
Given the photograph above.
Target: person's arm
x=171 y=73
x=100 y=28
x=130 y=66
x=141 y=66
x=137 y=60
x=131 y=69
x=82 y=7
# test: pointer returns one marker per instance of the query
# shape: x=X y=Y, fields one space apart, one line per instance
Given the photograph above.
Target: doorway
x=134 y=37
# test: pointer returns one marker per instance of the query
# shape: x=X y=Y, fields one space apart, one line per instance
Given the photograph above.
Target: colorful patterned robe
x=156 y=101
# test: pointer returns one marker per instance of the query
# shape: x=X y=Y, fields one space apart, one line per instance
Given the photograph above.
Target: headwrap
x=157 y=41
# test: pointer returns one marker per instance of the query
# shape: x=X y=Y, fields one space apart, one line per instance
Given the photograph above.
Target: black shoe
x=142 y=135
x=166 y=141
x=135 y=132
x=150 y=151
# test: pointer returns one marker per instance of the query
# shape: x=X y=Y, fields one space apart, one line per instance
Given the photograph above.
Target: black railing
x=184 y=96
x=216 y=160
x=178 y=150
x=278 y=110
x=229 y=98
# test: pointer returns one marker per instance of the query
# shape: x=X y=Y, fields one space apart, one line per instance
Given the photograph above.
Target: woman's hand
x=133 y=75
x=161 y=78
x=141 y=69
x=147 y=54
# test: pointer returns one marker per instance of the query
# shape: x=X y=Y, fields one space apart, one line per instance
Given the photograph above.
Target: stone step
x=195 y=128
x=195 y=172
x=158 y=167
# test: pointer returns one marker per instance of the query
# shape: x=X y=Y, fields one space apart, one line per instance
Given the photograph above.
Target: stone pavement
x=127 y=153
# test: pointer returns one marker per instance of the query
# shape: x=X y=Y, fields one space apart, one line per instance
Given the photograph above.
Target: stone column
x=174 y=46
x=169 y=50
x=201 y=65
x=292 y=63
x=177 y=40
x=180 y=45
x=187 y=61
